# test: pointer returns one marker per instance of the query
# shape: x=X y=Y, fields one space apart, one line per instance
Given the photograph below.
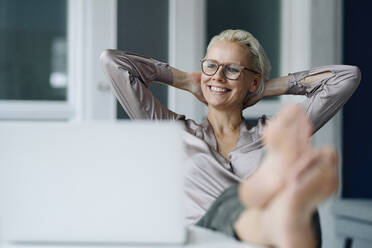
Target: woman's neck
x=223 y=121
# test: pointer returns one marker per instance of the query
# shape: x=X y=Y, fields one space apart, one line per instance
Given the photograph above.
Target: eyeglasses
x=231 y=71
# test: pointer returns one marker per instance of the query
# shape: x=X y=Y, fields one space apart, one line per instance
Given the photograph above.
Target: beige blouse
x=207 y=171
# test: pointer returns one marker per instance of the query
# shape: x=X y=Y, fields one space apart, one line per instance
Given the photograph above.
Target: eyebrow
x=225 y=63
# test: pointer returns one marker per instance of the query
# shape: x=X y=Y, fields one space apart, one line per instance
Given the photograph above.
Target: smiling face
x=223 y=93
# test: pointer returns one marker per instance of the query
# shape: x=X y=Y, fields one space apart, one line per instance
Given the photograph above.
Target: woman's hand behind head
x=189 y=81
x=195 y=87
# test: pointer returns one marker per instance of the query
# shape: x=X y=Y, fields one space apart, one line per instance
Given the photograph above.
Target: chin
x=222 y=105
x=213 y=101
x=217 y=104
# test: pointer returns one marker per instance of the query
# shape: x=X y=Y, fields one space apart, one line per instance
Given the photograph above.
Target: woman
x=288 y=218
x=225 y=149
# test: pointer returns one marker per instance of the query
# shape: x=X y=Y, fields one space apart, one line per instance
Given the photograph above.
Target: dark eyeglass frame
x=240 y=67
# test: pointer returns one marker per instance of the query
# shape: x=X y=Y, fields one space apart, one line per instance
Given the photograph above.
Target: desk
x=201 y=237
x=197 y=238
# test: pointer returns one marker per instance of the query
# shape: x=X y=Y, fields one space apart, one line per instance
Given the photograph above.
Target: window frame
x=88 y=95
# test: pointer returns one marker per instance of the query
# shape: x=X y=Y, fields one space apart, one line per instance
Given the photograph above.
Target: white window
x=49 y=63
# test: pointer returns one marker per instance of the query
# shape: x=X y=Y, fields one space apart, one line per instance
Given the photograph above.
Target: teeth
x=218 y=89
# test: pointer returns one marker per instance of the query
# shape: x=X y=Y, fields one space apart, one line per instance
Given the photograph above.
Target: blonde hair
x=261 y=62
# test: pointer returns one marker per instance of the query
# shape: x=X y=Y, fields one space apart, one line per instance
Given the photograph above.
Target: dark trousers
x=223 y=213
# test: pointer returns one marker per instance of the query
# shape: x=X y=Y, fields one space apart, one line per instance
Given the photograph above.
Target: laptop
x=107 y=183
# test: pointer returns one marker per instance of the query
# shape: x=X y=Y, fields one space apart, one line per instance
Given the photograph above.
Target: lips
x=218 y=89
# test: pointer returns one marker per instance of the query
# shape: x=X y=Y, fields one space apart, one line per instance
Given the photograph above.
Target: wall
x=142 y=28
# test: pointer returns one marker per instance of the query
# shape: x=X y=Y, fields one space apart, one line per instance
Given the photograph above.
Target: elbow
x=113 y=60
x=107 y=57
x=353 y=75
x=356 y=75
x=354 y=72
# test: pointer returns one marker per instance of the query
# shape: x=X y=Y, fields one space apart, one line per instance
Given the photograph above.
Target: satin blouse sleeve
x=325 y=97
x=129 y=76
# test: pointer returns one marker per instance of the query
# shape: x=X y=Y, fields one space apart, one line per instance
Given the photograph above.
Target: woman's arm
x=327 y=89
x=130 y=75
x=279 y=86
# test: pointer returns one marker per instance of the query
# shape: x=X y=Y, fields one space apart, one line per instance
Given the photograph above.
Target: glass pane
x=138 y=36
x=261 y=18
x=33 y=50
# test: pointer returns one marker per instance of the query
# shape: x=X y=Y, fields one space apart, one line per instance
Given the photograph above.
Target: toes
x=290 y=128
x=317 y=177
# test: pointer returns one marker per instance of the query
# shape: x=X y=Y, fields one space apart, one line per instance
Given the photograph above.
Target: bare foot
x=287 y=137
x=286 y=221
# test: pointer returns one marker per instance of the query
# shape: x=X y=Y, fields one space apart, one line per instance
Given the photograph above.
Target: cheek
x=243 y=95
x=244 y=89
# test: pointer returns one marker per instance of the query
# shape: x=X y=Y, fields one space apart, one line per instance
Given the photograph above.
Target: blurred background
x=50 y=71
